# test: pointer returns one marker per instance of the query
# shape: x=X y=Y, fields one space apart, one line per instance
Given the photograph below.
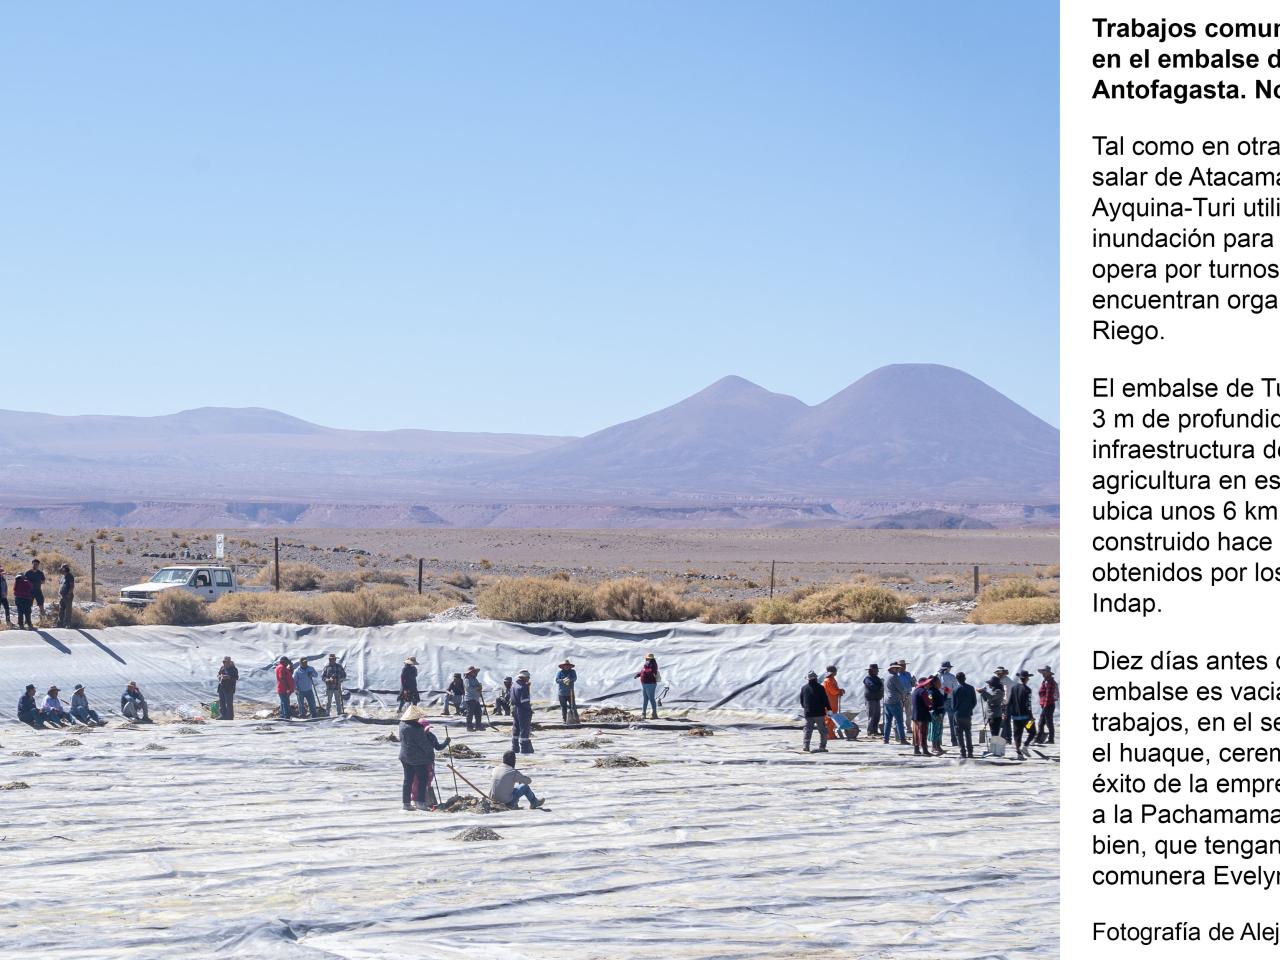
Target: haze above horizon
x=536 y=220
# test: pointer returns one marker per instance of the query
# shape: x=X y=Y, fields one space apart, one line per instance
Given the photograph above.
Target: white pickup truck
x=208 y=582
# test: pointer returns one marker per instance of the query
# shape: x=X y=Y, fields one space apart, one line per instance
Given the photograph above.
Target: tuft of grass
x=536 y=600
x=363 y=608
x=176 y=608
x=293 y=576
x=853 y=603
x=1011 y=590
x=1019 y=610
x=731 y=611
x=639 y=600
x=776 y=610
x=112 y=615
x=1049 y=572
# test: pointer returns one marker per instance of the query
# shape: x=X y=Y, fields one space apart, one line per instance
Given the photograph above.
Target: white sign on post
x=221 y=550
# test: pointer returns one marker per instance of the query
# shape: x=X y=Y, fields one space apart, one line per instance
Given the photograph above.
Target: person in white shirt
x=949 y=684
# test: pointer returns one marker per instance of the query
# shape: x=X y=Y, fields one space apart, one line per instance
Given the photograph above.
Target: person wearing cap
x=993 y=701
x=649 y=677
x=894 y=692
x=473 y=698
x=566 y=678
x=133 y=704
x=418 y=746
x=53 y=710
x=873 y=693
x=453 y=692
x=921 y=716
x=521 y=714
x=948 y=681
x=1006 y=684
x=502 y=702
x=409 y=682
x=964 y=700
x=1048 y=704
x=4 y=597
x=81 y=711
x=228 y=677
x=284 y=687
x=814 y=704
x=305 y=679
x=834 y=693
x=28 y=709
x=509 y=784
x=333 y=675
x=66 y=594
x=1018 y=708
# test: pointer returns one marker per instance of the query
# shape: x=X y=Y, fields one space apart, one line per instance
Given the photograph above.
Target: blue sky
x=539 y=217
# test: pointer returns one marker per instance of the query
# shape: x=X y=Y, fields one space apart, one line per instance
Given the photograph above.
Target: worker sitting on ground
x=509 y=784
x=133 y=704
x=502 y=702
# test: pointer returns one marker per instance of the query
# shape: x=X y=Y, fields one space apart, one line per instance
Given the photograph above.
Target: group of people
x=28 y=594
x=53 y=712
x=301 y=682
x=1007 y=701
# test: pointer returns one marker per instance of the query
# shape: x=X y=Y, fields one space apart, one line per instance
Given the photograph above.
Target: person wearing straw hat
x=81 y=710
x=53 y=710
x=566 y=678
x=409 y=682
x=473 y=698
x=894 y=691
x=1019 y=712
x=649 y=677
x=521 y=714
x=418 y=746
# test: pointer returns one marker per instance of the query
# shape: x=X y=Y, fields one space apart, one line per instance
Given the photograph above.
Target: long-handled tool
x=485 y=707
x=573 y=706
x=455 y=772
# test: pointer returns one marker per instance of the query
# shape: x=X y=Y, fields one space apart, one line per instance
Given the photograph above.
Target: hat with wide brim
x=413 y=660
x=874 y=666
x=831 y=669
x=523 y=674
x=411 y=713
x=566 y=664
x=1023 y=675
x=471 y=670
x=650 y=656
x=1045 y=670
x=946 y=665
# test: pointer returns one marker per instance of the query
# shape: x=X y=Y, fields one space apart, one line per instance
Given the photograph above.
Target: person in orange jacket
x=834 y=693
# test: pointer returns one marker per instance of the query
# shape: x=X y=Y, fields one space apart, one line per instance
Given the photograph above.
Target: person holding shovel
x=521 y=715
x=418 y=746
x=566 y=678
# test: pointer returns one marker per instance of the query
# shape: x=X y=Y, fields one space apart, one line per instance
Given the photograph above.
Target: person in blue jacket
x=521 y=715
x=566 y=680
x=28 y=710
x=873 y=693
x=964 y=700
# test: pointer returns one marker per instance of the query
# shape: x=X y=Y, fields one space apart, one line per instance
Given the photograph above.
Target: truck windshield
x=171 y=575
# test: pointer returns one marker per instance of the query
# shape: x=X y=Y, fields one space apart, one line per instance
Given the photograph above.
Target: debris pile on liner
x=463 y=611
x=69 y=742
x=154 y=747
x=389 y=737
x=187 y=731
x=700 y=732
x=606 y=715
x=477 y=833
x=461 y=751
x=464 y=804
x=15 y=785
x=619 y=761
x=25 y=753
x=593 y=744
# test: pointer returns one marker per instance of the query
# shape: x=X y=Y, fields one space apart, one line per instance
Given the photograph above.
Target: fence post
x=773 y=564
x=277 y=577
x=93 y=571
x=419 y=575
x=975 y=581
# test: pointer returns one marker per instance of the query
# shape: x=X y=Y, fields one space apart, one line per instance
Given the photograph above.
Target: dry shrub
x=938 y=579
x=731 y=611
x=1019 y=610
x=1011 y=590
x=463 y=581
x=176 y=608
x=801 y=593
x=266 y=608
x=638 y=600
x=774 y=610
x=536 y=600
x=112 y=615
x=364 y=608
x=853 y=603
x=51 y=563
x=1049 y=572
x=293 y=576
x=898 y=578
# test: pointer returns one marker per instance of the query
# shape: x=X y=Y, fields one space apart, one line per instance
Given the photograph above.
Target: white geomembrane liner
x=286 y=840
x=756 y=667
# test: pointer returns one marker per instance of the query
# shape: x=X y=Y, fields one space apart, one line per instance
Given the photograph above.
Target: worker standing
x=1048 y=704
x=284 y=686
x=228 y=676
x=473 y=698
x=409 y=682
x=814 y=703
x=566 y=679
x=521 y=714
x=834 y=693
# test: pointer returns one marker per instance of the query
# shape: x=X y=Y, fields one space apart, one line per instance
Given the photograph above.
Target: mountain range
x=906 y=438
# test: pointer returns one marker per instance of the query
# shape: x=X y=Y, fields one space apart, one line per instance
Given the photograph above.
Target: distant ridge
x=930 y=438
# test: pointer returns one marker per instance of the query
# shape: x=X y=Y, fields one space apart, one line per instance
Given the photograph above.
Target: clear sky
x=537 y=217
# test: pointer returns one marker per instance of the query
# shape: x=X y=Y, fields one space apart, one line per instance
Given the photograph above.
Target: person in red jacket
x=1048 y=703
x=284 y=686
x=23 y=597
x=834 y=693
